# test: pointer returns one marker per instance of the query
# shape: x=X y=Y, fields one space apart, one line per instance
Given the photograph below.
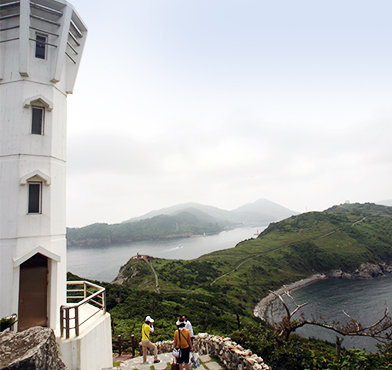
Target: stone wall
x=228 y=352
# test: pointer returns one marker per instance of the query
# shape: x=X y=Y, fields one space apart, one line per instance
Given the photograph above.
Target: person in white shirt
x=188 y=326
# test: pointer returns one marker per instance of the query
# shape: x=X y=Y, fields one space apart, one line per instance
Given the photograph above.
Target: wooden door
x=33 y=292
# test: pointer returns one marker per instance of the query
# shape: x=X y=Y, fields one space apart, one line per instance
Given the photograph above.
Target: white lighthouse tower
x=41 y=44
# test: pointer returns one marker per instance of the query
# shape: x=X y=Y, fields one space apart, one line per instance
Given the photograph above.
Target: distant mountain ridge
x=214 y=212
x=184 y=224
x=387 y=202
x=266 y=208
x=262 y=211
x=181 y=220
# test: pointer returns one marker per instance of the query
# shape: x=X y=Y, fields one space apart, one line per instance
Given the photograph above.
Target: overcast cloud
x=228 y=101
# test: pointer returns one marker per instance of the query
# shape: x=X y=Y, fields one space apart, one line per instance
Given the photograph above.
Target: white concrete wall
x=24 y=79
x=91 y=350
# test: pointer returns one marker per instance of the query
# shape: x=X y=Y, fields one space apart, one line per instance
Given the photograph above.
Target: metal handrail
x=70 y=57
x=73 y=37
x=45 y=20
x=88 y=297
x=9 y=4
x=46 y=9
x=9 y=16
x=44 y=31
x=9 y=28
x=17 y=38
x=41 y=42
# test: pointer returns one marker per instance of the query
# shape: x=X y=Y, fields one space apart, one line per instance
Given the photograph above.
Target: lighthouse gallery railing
x=90 y=293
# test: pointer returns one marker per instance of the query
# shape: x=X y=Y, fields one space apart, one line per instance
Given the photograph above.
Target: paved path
x=206 y=363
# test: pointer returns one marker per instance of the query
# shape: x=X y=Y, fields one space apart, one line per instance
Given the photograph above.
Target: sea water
x=340 y=299
x=103 y=262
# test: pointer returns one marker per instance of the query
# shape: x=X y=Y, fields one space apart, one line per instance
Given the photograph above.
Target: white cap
x=148 y=318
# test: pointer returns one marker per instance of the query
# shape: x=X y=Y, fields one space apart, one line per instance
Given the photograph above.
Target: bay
x=363 y=300
x=103 y=262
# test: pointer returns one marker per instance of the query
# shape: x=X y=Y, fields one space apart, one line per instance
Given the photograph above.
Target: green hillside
x=341 y=237
x=159 y=227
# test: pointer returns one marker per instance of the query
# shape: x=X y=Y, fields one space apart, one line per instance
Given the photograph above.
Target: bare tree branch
x=381 y=330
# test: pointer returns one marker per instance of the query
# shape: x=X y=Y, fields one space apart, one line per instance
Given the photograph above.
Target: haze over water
x=103 y=262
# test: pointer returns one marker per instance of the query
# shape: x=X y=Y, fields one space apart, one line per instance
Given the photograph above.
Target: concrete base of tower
x=92 y=349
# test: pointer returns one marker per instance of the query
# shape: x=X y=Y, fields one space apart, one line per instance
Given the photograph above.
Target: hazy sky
x=228 y=101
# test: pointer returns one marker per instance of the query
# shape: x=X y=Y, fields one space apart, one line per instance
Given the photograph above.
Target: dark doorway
x=33 y=292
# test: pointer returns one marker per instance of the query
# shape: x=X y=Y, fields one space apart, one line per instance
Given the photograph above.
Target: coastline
x=262 y=308
x=365 y=271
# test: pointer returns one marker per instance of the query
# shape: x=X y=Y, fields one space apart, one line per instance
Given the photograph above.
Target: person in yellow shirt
x=182 y=339
x=148 y=328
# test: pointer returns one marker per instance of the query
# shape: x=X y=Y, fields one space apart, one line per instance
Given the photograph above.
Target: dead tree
x=381 y=330
x=287 y=325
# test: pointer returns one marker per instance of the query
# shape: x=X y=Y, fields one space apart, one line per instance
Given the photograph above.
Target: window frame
x=34 y=206
x=36 y=124
x=40 y=46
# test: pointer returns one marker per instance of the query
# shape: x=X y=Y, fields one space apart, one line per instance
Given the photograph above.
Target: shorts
x=184 y=356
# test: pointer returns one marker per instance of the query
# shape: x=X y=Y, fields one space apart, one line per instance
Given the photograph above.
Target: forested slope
x=159 y=227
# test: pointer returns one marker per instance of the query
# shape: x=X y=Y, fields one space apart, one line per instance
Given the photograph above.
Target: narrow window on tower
x=40 y=46
x=35 y=197
x=37 y=121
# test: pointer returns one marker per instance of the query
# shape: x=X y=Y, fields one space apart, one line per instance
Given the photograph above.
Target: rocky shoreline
x=365 y=271
x=262 y=308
